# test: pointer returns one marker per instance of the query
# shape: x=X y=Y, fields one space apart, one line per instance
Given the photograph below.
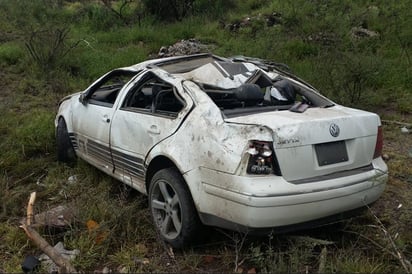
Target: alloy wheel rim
x=166 y=209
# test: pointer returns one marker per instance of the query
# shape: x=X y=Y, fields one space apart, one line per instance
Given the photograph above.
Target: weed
x=10 y=53
x=169 y=10
x=213 y=9
x=353 y=261
x=312 y=37
x=300 y=50
x=97 y=17
x=132 y=258
x=14 y=245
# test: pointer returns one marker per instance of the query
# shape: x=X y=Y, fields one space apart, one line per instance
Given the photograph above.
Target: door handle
x=153 y=130
x=106 y=118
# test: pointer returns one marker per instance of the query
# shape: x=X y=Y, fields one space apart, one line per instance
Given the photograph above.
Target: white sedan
x=234 y=142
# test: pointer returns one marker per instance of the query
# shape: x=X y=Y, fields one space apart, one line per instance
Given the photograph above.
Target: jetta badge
x=334 y=130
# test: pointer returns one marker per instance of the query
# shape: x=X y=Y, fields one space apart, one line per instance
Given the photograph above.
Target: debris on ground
x=50 y=265
x=57 y=217
x=30 y=264
x=405 y=130
x=323 y=38
x=360 y=32
x=72 y=179
x=183 y=47
x=95 y=231
x=62 y=264
x=270 y=20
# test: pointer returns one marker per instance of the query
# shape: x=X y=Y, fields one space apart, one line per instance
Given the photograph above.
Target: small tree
x=120 y=11
x=47 y=47
x=169 y=9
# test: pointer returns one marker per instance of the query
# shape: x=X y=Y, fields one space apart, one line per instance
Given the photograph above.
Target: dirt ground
x=394 y=208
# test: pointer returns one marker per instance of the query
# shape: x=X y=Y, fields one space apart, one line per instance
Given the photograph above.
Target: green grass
x=10 y=53
x=313 y=38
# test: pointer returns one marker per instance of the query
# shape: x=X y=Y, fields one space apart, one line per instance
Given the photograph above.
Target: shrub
x=10 y=53
x=35 y=134
x=169 y=9
x=213 y=8
x=349 y=76
x=299 y=49
x=47 y=47
x=98 y=17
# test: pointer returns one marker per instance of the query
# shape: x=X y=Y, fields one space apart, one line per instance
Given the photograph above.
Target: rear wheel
x=172 y=208
x=65 y=151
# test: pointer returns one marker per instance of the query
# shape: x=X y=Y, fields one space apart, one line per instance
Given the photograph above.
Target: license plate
x=331 y=153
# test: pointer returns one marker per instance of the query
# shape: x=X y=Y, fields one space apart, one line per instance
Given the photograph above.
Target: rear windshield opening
x=242 y=88
x=248 y=98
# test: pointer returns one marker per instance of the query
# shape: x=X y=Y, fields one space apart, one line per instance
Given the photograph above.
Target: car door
x=151 y=111
x=92 y=117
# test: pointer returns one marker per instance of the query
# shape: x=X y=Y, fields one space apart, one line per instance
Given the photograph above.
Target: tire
x=172 y=208
x=65 y=150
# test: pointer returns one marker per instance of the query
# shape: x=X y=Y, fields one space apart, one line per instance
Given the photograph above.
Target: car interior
x=154 y=96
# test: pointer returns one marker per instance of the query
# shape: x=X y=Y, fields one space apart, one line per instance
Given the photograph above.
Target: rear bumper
x=332 y=219
x=235 y=202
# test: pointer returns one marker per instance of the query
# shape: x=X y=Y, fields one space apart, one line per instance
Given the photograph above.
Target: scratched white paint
x=209 y=149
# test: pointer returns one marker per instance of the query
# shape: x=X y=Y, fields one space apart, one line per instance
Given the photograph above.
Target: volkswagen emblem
x=334 y=130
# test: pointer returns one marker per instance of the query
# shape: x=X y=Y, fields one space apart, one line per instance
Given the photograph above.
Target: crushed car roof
x=212 y=70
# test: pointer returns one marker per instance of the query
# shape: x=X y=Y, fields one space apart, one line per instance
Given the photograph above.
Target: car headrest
x=286 y=89
x=249 y=93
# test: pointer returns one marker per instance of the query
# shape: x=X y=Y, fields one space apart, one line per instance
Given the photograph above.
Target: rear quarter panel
x=206 y=140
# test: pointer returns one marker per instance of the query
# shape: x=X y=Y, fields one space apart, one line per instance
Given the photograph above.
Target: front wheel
x=172 y=208
x=65 y=151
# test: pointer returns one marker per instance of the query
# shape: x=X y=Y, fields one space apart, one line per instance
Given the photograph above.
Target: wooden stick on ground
x=30 y=205
x=64 y=265
x=396 y=123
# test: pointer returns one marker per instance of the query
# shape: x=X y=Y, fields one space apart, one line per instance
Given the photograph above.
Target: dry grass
x=125 y=239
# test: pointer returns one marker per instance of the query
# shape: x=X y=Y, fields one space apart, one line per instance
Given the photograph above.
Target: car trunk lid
x=319 y=141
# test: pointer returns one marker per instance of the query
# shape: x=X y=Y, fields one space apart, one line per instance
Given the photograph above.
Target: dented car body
x=230 y=142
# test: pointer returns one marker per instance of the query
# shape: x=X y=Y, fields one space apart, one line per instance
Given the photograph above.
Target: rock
x=67 y=254
x=274 y=18
x=323 y=38
x=72 y=179
x=271 y=19
x=252 y=271
x=122 y=269
x=405 y=130
x=183 y=47
x=360 y=32
x=30 y=264
x=57 y=217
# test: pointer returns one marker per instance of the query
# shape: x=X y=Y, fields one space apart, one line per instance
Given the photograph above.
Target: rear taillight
x=262 y=159
x=379 y=144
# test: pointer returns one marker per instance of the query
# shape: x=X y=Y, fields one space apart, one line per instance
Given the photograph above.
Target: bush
x=47 y=47
x=27 y=15
x=98 y=17
x=10 y=53
x=36 y=133
x=171 y=10
x=166 y=10
x=213 y=8
x=348 y=77
x=299 y=49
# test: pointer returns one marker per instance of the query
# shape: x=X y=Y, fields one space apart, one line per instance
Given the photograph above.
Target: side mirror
x=83 y=99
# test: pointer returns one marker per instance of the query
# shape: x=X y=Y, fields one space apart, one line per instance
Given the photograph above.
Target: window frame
x=152 y=80
x=112 y=89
